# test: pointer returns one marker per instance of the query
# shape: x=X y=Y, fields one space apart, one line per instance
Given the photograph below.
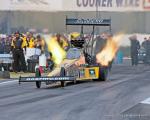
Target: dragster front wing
x=46 y=79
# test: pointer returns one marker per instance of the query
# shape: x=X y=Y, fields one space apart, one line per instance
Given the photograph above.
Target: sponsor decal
x=88 y=21
x=49 y=78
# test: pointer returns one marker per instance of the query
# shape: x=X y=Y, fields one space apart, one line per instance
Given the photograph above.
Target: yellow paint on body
x=87 y=75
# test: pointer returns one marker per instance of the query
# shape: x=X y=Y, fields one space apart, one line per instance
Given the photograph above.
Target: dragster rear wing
x=88 y=22
x=46 y=79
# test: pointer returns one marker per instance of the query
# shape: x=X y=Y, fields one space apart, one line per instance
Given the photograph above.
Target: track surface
x=114 y=99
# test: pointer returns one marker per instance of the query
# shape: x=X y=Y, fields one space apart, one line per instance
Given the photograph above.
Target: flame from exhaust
x=109 y=51
x=58 y=53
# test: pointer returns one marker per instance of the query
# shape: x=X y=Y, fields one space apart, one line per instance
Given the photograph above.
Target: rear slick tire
x=103 y=74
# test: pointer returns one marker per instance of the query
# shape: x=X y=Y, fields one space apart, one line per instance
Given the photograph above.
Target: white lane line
x=146 y=101
x=8 y=82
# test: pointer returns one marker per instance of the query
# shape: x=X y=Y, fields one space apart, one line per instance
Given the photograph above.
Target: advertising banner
x=75 y=5
x=103 y=5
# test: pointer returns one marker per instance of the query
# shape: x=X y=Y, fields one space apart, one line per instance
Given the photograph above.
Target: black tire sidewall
x=38 y=74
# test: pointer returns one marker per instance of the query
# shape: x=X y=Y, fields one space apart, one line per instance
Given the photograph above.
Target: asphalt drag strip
x=115 y=99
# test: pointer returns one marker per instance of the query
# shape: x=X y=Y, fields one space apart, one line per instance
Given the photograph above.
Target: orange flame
x=58 y=53
x=109 y=51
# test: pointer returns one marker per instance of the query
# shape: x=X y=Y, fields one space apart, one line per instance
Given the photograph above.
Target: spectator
x=7 y=48
x=62 y=41
x=39 y=43
x=135 y=46
x=18 y=55
x=146 y=45
x=2 y=45
x=30 y=40
x=50 y=63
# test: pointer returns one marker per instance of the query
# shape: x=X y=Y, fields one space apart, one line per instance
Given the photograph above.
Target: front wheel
x=38 y=74
x=62 y=84
x=38 y=84
x=62 y=74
